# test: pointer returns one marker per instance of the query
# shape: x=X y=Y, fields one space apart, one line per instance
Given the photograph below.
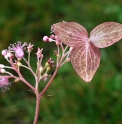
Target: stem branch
x=50 y=81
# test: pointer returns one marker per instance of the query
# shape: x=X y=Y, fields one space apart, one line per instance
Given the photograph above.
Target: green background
x=73 y=101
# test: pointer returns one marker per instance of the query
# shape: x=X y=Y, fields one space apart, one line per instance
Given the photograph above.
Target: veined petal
x=106 y=34
x=70 y=33
x=85 y=58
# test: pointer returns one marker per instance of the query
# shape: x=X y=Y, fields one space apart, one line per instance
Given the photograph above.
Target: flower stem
x=37 y=108
x=50 y=81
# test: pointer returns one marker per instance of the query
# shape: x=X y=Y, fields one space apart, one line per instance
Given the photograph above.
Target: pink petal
x=70 y=33
x=106 y=34
x=85 y=58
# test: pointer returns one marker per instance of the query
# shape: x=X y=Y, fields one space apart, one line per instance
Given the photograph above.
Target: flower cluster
x=15 y=55
x=52 y=38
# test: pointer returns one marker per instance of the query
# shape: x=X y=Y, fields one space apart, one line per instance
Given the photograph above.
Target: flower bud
x=47 y=64
x=39 y=53
x=2 y=66
x=6 y=57
x=19 y=64
x=45 y=38
x=10 y=55
x=58 y=56
x=45 y=76
x=41 y=69
x=19 y=59
x=30 y=47
x=48 y=68
x=52 y=36
x=2 y=71
x=4 y=52
x=16 y=80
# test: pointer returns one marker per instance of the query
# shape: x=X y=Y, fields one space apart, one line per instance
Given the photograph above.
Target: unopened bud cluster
x=52 y=38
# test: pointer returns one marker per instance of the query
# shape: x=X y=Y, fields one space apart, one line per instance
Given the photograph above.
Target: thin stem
x=30 y=67
x=9 y=73
x=50 y=81
x=36 y=84
x=22 y=79
x=29 y=57
x=57 y=61
x=65 y=48
x=62 y=46
x=37 y=67
x=8 y=67
x=37 y=108
x=68 y=60
x=13 y=77
x=44 y=76
x=25 y=67
x=40 y=61
x=20 y=75
x=56 y=70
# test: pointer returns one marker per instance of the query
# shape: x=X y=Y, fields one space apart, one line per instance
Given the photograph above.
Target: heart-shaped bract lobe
x=106 y=34
x=85 y=58
x=70 y=33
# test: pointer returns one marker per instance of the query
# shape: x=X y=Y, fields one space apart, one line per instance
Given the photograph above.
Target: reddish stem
x=38 y=97
x=20 y=76
x=29 y=85
x=50 y=81
x=37 y=108
x=53 y=76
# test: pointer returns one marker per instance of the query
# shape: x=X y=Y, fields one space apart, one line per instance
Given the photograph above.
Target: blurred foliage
x=73 y=101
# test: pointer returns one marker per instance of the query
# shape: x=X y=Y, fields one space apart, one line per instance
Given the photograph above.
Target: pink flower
x=52 y=36
x=18 y=49
x=4 y=52
x=39 y=53
x=30 y=47
x=45 y=38
x=4 y=83
x=7 y=54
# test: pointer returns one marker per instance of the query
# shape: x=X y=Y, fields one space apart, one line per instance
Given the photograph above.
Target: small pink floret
x=45 y=38
x=10 y=55
x=52 y=36
x=19 y=53
x=4 y=83
x=18 y=48
x=39 y=53
x=4 y=52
